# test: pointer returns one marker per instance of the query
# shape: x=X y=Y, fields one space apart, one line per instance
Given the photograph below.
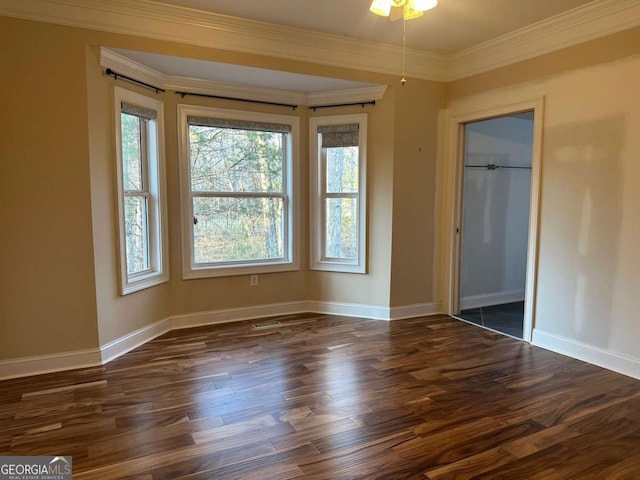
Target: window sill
x=230 y=271
x=142 y=283
x=339 y=267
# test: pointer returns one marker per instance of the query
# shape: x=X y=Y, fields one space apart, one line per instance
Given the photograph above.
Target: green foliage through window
x=136 y=216
x=341 y=203
x=237 y=182
x=338 y=172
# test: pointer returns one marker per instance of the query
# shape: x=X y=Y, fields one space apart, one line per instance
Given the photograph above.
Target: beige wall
x=47 y=281
x=372 y=288
x=60 y=270
x=117 y=315
x=495 y=212
x=589 y=266
x=415 y=145
x=589 y=260
x=605 y=49
x=58 y=244
x=201 y=295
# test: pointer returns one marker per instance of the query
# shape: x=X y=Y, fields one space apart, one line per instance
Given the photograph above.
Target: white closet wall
x=496 y=210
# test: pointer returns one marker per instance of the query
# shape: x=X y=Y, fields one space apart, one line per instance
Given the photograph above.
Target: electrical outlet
x=253 y=281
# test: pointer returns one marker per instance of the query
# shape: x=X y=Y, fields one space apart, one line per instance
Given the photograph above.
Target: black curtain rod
x=117 y=75
x=184 y=94
x=362 y=104
x=491 y=166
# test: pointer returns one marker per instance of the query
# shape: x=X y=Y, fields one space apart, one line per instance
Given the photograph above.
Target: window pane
x=342 y=169
x=131 y=152
x=231 y=160
x=137 y=234
x=237 y=229
x=341 y=239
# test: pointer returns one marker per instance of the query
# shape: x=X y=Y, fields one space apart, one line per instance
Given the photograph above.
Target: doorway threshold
x=506 y=318
x=470 y=322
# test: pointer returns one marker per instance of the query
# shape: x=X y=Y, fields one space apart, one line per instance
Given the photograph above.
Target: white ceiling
x=457 y=39
x=452 y=26
x=238 y=74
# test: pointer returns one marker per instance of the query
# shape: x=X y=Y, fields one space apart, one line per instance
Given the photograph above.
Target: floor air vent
x=265 y=325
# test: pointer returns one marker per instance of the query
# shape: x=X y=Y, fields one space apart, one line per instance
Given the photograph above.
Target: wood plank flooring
x=327 y=397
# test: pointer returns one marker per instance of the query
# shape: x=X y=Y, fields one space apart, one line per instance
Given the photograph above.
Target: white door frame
x=451 y=176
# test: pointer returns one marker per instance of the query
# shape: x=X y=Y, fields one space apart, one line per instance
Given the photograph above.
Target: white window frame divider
x=291 y=261
x=154 y=168
x=316 y=185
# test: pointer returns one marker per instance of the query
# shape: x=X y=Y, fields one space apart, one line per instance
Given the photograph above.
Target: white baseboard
x=27 y=366
x=57 y=362
x=588 y=353
x=374 y=312
x=417 y=310
x=120 y=346
x=215 y=317
x=371 y=312
x=487 y=299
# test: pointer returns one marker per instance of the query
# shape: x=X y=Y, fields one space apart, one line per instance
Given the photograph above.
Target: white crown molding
x=131 y=68
x=208 y=87
x=350 y=95
x=151 y=19
x=588 y=22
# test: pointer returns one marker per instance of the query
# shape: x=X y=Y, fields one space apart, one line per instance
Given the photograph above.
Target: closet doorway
x=494 y=228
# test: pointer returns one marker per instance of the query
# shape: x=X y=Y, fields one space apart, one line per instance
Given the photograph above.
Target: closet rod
x=491 y=166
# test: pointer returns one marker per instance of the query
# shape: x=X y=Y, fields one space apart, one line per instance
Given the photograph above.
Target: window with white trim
x=141 y=186
x=338 y=192
x=237 y=185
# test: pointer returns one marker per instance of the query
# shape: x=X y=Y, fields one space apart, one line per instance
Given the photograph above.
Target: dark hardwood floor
x=327 y=397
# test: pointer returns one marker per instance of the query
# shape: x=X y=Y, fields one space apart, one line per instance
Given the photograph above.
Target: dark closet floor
x=506 y=318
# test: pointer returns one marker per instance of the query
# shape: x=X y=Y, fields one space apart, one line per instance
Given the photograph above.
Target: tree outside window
x=338 y=197
x=238 y=191
x=140 y=180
